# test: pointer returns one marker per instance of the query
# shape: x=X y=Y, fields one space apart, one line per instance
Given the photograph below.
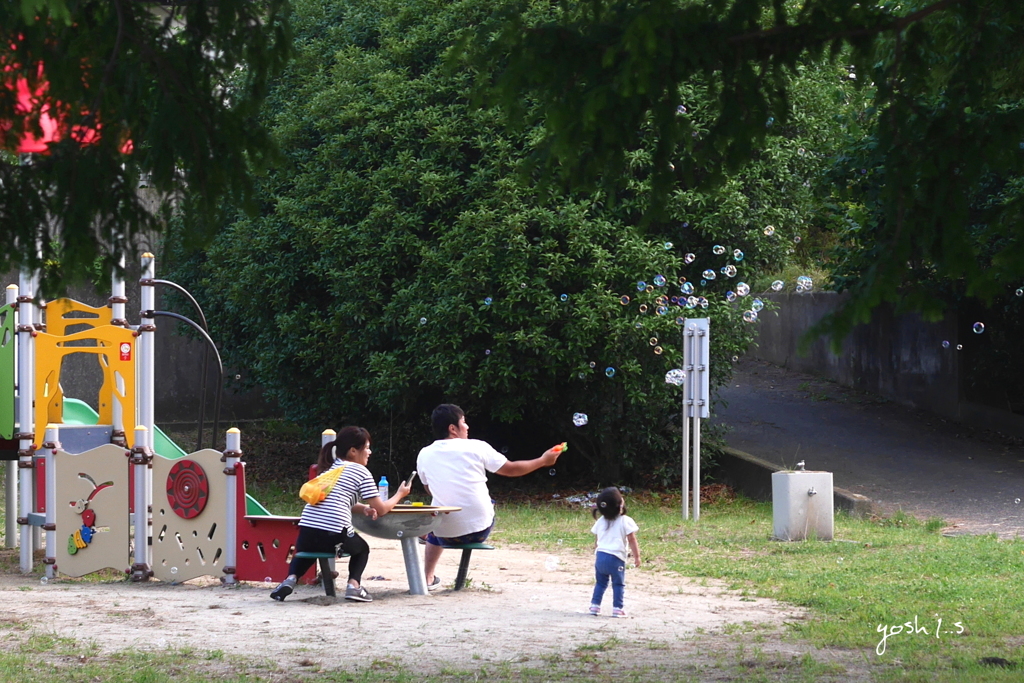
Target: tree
x=158 y=95
x=398 y=259
x=944 y=77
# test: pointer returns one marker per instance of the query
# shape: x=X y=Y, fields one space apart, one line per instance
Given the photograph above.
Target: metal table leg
x=414 y=566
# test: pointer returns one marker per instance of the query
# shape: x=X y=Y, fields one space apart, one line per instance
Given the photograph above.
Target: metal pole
x=686 y=462
x=25 y=395
x=696 y=468
x=11 y=482
x=51 y=445
x=117 y=302
x=232 y=458
x=140 y=460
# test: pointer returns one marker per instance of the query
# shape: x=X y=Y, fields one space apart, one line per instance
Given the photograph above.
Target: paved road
x=896 y=456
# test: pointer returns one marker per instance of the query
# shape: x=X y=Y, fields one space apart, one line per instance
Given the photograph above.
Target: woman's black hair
x=349 y=437
x=609 y=504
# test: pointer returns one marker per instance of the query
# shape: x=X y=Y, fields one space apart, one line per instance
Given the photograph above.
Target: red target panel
x=187 y=489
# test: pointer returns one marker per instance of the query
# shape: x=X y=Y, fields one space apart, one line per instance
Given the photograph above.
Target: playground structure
x=106 y=486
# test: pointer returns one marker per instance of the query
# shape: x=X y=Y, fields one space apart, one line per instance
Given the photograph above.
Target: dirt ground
x=522 y=608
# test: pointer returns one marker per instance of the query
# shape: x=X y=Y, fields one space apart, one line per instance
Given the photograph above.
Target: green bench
x=327 y=574
x=467 y=550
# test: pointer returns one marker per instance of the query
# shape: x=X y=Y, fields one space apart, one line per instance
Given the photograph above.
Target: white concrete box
x=802 y=506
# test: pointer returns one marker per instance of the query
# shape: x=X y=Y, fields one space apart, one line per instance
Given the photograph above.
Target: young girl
x=613 y=529
x=328 y=524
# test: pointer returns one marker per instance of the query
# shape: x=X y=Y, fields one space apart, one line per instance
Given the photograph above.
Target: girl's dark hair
x=349 y=437
x=609 y=504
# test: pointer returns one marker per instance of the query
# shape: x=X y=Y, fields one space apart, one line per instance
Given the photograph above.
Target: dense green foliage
x=183 y=83
x=399 y=260
x=944 y=80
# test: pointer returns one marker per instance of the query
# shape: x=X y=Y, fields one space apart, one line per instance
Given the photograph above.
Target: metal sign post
x=696 y=403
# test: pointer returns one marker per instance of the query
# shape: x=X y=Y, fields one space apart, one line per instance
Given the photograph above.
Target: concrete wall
x=899 y=357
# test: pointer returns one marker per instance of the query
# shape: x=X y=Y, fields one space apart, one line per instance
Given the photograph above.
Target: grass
x=877 y=574
x=860 y=591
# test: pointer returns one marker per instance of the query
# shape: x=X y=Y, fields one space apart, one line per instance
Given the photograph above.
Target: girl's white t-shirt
x=611 y=535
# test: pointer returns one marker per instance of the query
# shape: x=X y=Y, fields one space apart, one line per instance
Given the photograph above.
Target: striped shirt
x=334 y=513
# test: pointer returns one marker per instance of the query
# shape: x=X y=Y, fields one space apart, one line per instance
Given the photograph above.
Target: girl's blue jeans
x=609 y=567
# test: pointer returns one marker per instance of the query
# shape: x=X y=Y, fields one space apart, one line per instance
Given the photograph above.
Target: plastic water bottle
x=382 y=488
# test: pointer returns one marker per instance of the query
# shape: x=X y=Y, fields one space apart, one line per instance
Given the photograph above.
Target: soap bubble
x=564 y=297
x=661 y=310
x=702 y=302
x=718 y=250
x=756 y=305
x=685 y=224
x=423 y=321
x=624 y=300
x=641 y=286
x=686 y=288
x=522 y=285
x=945 y=344
x=43 y=580
x=796 y=239
x=680 y=110
x=1020 y=292
x=978 y=328
x=770 y=122
x=174 y=570
x=487 y=352
x=730 y=296
x=487 y=301
x=659 y=280
x=680 y=320
x=959 y=347
x=689 y=258
x=1016 y=501
x=580 y=419
x=735 y=359
x=643 y=308
x=769 y=230
x=778 y=285
x=667 y=246
x=649 y=288
x=709 y=274
x=661 y=300
x=551 y=473
x=801 y=151
x=593 y=365
x=729 y=270
x=691 y=302
x=658 y=350
x=653 y=341
x=638 y=325
x=737 y=255
x=609 y=371
x=703 y=283
x=267 y=579
x=750 y=316
x=742 y=288
x=675 y=376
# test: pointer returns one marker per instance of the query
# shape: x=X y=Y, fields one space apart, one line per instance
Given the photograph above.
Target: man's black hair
x=444 y=415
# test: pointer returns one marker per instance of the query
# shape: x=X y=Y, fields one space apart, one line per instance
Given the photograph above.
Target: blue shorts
x=474 y=537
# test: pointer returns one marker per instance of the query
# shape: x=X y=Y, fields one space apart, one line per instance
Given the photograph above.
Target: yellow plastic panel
x=95 y=481
x=57 y=311
x=114 y=357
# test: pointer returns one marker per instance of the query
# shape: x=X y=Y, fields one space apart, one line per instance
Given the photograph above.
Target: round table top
x=421 y=509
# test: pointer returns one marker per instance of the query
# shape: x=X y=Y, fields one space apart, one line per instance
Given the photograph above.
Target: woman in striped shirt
x=328 y=524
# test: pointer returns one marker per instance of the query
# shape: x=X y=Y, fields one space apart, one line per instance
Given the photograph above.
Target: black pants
x=312 y=540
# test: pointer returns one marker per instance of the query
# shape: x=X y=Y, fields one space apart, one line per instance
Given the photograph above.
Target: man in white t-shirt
x=454 y=471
